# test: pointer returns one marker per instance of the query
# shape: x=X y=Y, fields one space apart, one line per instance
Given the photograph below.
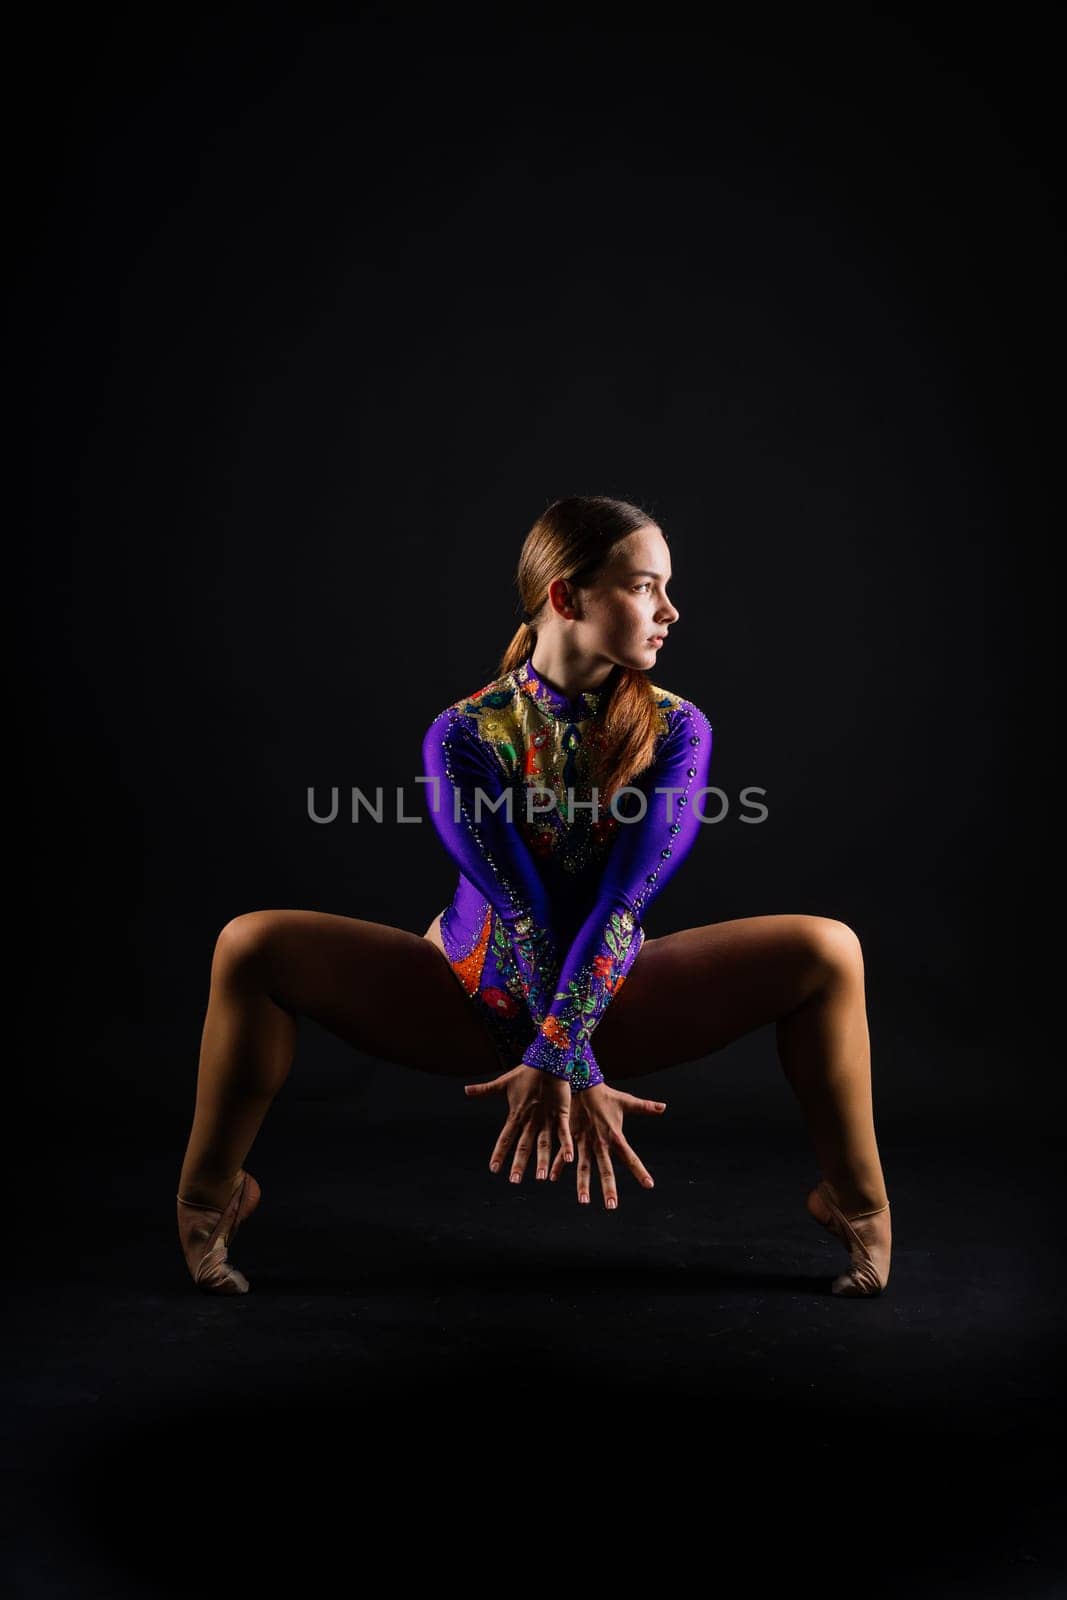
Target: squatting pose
x=567 y=792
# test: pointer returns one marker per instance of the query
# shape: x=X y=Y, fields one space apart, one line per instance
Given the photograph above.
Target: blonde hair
x=575 y=538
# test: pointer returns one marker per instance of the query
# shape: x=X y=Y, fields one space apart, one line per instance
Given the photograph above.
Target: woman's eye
x=641 y=586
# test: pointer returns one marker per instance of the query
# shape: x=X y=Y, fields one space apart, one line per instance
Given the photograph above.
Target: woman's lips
x=657 y=639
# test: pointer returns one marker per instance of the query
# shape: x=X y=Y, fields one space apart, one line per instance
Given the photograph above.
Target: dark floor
x=428 y=1355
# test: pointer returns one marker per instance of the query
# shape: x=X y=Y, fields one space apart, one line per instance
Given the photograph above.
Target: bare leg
x=825 y=1049
x=691 y=993
x=379 y=988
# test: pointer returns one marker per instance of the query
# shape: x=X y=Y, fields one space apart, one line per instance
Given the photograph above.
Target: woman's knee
x=242 y=942
x=834 y=946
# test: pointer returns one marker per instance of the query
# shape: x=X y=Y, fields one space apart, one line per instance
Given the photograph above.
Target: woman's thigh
x=381 y=989
x=690 y=993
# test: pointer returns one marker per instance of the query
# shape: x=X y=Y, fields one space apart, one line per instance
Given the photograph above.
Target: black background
x=322 y=309
x=323 y=314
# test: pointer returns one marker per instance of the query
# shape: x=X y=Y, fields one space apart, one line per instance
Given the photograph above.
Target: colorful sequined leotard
x=545 y=922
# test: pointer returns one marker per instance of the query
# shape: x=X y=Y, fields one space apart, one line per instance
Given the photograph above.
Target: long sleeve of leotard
x=488 y=848
x=644 y=855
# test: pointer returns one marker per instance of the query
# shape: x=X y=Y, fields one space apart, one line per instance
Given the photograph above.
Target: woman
x=568 y=790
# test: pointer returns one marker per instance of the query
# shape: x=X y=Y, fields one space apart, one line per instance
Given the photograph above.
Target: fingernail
x=611 y=1205
x=494 y=1166
x=516 y=1177
x=541 y=1173
x=583 y=1199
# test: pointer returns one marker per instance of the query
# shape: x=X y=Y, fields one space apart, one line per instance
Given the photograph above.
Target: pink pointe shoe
x=206 y=1232
x=867 y=1237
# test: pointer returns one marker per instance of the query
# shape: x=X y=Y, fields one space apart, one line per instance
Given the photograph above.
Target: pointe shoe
x=206 y=1232
x=867 y=1239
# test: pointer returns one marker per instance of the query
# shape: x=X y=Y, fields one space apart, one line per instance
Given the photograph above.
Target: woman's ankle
x=854 y=1201
x=208 y=1191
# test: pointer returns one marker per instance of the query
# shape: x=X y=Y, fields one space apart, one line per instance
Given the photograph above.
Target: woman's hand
x=538 y=1106
x=596 y=1121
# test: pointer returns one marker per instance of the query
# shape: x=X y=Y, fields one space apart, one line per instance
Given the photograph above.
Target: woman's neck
x=565 y=674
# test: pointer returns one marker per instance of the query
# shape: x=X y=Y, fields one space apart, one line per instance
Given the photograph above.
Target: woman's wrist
x=582 y=1085
x=558 y=1057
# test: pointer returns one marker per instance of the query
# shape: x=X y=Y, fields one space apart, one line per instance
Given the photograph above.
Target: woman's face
x=628 y=606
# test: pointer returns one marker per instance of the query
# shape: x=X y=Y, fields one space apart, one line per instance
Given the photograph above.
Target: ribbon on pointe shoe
x=211 y=1234
x=863 y=1277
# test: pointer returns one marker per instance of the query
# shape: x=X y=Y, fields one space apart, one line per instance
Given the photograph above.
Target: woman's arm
x=489 y=850
x=644 y=855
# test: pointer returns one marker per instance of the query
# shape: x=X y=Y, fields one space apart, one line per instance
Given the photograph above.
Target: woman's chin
x=641 y=662
x=640 y=658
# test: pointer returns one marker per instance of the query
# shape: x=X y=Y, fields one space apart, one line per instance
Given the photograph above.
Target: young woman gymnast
x=567 y=791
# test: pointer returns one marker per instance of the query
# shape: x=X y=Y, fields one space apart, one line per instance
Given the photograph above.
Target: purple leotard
x=545 y=923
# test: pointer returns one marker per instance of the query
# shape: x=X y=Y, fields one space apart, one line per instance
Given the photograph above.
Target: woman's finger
x=523 y=1148
x=651 y=1108
x=494 y=1086
x=584 y=1169
x=607 y=1172
x=504 y=1142
x=544 y=1149
x=634 y=1162
x=565 y=1134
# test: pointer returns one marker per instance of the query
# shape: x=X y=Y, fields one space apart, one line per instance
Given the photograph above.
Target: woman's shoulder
x=667 y=699
x=676 y=709
x=498 y=696
x=495 y=696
